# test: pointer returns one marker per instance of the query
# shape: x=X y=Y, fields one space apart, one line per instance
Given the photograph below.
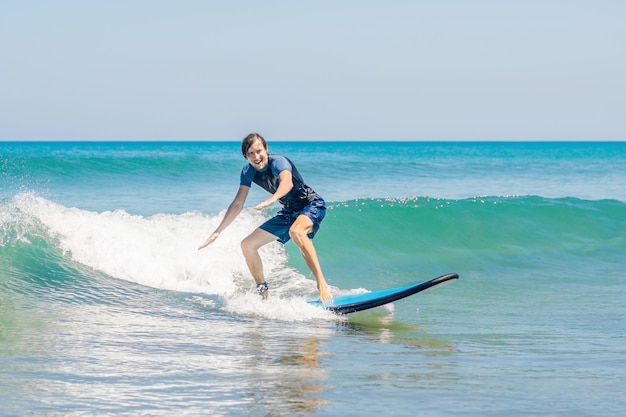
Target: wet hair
x=249 y=140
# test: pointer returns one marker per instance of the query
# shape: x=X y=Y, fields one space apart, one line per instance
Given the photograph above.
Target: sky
x=440 y=70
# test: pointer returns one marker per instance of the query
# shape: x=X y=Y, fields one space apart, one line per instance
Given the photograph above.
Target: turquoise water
x=107 y=308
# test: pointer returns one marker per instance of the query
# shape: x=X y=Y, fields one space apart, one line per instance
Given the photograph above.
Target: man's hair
x=249 y=140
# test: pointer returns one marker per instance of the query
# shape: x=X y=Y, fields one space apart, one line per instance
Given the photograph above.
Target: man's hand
x=210 y=240
x=265 y=204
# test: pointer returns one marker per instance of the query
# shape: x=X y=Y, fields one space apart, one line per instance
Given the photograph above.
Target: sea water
x=108 y=308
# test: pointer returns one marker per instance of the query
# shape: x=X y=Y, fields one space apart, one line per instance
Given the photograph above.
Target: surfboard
x=346 y=304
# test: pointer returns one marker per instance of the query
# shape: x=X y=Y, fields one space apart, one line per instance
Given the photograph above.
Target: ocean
x=107 y=308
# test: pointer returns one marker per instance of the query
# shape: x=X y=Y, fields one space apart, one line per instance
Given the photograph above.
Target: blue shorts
x=280 y=224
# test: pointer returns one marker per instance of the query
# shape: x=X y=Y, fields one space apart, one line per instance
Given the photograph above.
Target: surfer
x=303 y=211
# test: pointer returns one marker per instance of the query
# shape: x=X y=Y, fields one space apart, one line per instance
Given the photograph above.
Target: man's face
x=257 y=156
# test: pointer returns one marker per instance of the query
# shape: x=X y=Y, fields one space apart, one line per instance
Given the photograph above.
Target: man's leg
x=250 y=247
x=299 y=234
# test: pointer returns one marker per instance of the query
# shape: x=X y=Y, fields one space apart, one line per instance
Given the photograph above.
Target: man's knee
x=247 y=246
x=297 y=233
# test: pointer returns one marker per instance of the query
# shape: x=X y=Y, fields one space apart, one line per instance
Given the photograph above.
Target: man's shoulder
x=247 y=174
x=246 y=168
x=279 y=162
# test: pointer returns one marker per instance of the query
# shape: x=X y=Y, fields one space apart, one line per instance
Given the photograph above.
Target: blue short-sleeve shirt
x=268 y=179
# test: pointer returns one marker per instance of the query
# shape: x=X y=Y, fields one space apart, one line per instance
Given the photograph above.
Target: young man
x=303 y=211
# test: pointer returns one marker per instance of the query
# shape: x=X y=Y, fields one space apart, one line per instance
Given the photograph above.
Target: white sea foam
x=160 y=251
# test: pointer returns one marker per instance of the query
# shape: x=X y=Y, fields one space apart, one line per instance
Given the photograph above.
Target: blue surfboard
x=347 y=304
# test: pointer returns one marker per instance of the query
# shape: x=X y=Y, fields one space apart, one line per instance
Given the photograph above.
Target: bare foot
x=325 y=294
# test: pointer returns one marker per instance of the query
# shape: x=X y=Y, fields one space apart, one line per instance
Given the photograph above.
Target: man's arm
x=231 y=213
x=285 y=184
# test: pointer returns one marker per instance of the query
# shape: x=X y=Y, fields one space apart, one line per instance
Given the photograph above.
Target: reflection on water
x=381 y=324
x=304 y=384
x=290 y=376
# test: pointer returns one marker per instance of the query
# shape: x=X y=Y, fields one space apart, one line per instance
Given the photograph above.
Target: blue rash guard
x=300 y=195
x=300 y=200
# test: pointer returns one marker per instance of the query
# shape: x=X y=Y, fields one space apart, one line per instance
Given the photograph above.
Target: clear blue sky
x=322 y=70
